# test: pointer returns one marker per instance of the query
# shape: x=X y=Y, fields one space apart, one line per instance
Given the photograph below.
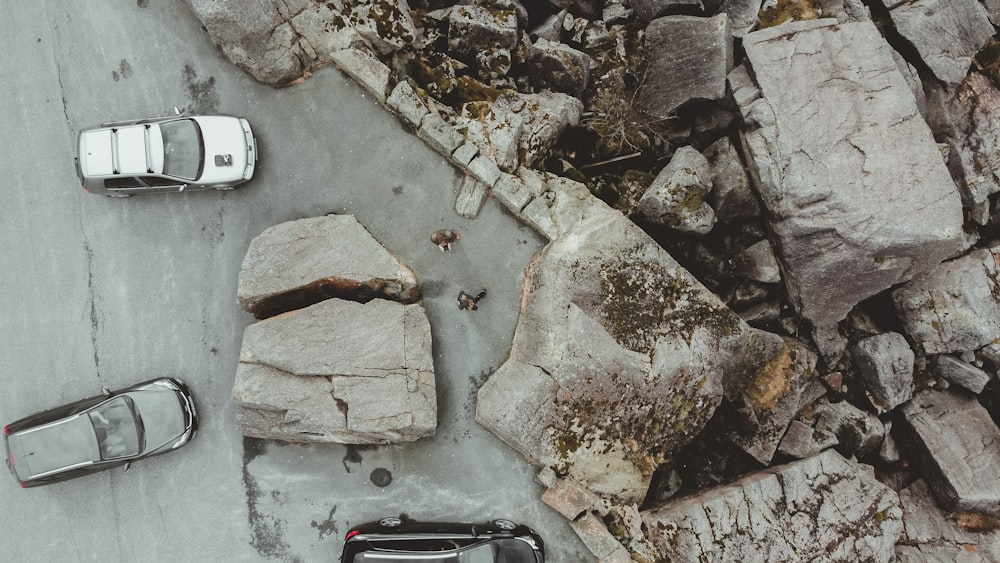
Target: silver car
x=166 y=154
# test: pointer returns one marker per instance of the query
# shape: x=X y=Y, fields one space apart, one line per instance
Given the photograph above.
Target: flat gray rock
x=885 y=364
x=823 y=508
x=957 y=445
x=946 y=33
x=298 y=263
x=858 y=195
x=688 y=59
x=338 y=371
x=954 y=307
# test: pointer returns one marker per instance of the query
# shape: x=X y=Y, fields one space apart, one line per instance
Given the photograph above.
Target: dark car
x=402 y=540
x=166 y=154
x=99 y=433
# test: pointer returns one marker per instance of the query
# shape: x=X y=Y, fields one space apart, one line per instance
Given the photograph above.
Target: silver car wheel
x=504 y=524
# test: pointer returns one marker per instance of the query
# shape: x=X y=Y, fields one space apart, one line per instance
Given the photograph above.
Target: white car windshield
x=182 y=148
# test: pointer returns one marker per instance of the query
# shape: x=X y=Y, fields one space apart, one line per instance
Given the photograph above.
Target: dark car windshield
x=118 y=430
x=182 y=148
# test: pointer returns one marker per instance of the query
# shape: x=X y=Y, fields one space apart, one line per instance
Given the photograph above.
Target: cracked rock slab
x=858 y=195
x=957 y=445
x=956 y=306
x=619 y=357
x=299 y=263
x=823 y=508
x=338 y=371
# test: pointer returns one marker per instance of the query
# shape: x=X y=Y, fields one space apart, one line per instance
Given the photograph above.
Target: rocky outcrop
x=299 y=263
x=958 y=447
x=620 y=356
x=343 y=354
x=824 y=508
x=954 y=307
x=858 y=196
x=338 y=371
x=971 y=126
x=946 y=33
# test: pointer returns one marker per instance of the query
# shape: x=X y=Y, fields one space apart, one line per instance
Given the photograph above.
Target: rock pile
x=773 y=257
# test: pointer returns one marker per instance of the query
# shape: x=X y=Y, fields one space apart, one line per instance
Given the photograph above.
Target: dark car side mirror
x=127 y=465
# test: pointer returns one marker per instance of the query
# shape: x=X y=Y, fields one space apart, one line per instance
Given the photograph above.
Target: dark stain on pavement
x=397 y=190
x=124 y=70
x=431 y=288
x=328 y=526
x=352 y=455
x=201 y=93
x=381 y=477
x=142 y=3
x=267 y=533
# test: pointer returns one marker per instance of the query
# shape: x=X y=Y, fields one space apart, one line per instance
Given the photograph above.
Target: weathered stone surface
x=759 y=263
x=742 y=15
x=676 y=198
x=973 y=132
x=323 y=29
x=957 y=445
x=946 y=33
x=511 y=192
x=475 y=29
x=407 y=104
x=649 y=10
x=885 y=364
x=775 y=395
x=859 y=433
x=936 y=537
x=485 y=170
x=802 y=440
x=338 y=371
x=556 y=66
x=365 y=69
x=954 y=307
x=254 y=36
x=387 y=24
x=858 y=196
x=569 y=498
x=298 y=263
x=439 y=134
x=598 y=540
x=732 y=196
x=612 y=324
x=824 y=508
x=688 y=59
x=959 y=372
x=521 y=127
x=471 y=197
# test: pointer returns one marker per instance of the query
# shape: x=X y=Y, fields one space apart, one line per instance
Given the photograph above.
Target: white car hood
x=223 y=135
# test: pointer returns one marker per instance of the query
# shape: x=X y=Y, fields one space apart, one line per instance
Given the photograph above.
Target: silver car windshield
x=118 y=431
x=182 y=148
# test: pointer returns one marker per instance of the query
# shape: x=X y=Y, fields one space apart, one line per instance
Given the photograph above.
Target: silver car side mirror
x=106 y=391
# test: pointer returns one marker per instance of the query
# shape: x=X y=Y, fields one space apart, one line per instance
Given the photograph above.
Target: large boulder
x=254 y=36
x=957 y=447
x=688 y=59
x=338 y=371
x=858 y=196
x=946 y=33
x=620 y=356
x=824 y=508
x=956 y=306
x=298 y=263
x=931 y=534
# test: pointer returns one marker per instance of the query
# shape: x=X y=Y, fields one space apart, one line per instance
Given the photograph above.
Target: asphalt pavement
x=101 y=291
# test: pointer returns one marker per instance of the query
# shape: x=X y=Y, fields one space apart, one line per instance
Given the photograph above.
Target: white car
x=166 y=154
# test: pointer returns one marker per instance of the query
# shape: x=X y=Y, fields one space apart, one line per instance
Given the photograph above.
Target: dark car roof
x=58 y=445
